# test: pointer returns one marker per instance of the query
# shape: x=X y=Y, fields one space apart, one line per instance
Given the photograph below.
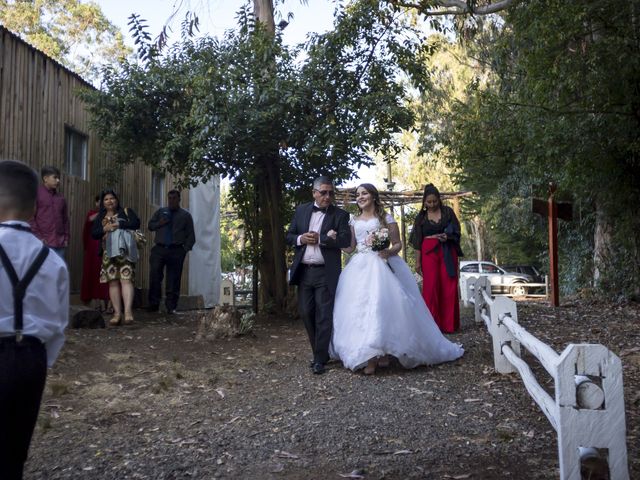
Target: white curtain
x=204 y=260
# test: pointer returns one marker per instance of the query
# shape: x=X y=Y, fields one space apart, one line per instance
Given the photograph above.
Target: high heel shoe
x=115 y=320
x=128 y=318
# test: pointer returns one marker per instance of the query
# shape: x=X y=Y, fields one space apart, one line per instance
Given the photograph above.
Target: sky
x=216 y=16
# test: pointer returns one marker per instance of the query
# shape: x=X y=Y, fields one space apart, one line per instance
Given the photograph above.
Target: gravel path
x=149 y=402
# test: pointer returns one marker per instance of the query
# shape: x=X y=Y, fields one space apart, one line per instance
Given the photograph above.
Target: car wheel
x=518 y=290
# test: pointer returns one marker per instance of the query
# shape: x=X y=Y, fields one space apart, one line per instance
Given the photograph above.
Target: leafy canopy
x=75 y=33
x=212 y=106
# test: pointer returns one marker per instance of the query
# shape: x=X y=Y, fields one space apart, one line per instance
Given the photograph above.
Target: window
x=487 y=267
x=157 y=188
x=472 y=267
x=75 y=153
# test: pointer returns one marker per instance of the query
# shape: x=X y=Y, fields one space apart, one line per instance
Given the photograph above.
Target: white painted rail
x=587 y=407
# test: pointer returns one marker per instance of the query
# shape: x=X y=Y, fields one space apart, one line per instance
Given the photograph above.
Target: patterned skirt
x=116 y=268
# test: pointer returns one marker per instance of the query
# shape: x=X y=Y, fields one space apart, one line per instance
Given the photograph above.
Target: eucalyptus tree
x=560 y=105
x=76 y=34
x=270 y=119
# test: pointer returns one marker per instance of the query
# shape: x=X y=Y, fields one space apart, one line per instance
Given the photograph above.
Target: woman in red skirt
x=91 y=288
x=436 y=238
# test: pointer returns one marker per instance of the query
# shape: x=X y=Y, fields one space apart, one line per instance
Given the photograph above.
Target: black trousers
x=315 y=304
x=172 y=258
x=23 y=370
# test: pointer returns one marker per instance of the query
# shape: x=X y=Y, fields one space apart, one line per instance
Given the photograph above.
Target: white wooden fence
x=588 y=409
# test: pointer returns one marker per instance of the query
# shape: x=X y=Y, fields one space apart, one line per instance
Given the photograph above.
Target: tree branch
x=453 y=7
x=569 y=111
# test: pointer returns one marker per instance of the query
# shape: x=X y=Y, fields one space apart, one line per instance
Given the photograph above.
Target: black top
x=179 y=230
x=127 y=220
x=448 y=224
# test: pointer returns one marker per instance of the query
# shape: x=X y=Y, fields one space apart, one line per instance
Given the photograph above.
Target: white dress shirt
x=46 y=302
x=313 y=254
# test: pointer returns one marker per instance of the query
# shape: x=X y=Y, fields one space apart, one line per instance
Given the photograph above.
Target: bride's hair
x=377 y=204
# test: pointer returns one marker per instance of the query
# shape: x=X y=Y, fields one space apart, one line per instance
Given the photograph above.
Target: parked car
x=501 y=280
x=530 y=270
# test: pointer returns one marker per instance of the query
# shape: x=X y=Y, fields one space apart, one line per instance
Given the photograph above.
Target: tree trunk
x=602 y=245
x=476 y=231
x=263 y=11
x=273 y=281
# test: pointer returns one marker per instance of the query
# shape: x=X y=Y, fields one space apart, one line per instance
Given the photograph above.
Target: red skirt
x=91 y=287
x=439 y=290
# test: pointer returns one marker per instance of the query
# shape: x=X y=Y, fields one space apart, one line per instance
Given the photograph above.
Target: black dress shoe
x=318 y=368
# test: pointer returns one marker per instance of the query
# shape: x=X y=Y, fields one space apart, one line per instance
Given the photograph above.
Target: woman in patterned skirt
x=118 y=271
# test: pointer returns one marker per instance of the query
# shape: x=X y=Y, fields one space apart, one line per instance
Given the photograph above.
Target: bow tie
x=318 y=209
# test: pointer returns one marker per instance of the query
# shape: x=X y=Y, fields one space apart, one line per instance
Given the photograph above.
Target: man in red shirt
x=51 y=220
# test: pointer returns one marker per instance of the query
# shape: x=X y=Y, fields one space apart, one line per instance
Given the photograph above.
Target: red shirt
x=51 y=221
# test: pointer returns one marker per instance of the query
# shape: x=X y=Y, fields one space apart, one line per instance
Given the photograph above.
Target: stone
x=87 y=319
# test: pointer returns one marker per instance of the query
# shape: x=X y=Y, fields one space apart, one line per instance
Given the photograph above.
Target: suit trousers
x=23 y=371
x=173 y=259
x=315 y=304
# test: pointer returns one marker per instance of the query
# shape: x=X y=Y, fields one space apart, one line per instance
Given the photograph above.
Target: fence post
x=603 y=428
x=479 y=284
x=464 y=291
x=500 y=335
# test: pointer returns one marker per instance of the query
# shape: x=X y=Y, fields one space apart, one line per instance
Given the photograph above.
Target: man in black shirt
x=174 y=237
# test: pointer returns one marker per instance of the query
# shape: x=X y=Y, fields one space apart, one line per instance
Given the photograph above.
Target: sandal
x=128 y=318
x=115 y=320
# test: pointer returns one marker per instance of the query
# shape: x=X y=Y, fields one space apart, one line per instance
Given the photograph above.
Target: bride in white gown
x=378 y=308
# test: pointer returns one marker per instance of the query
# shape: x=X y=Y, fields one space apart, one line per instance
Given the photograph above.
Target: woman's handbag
x=139 y=236
x=141 y=240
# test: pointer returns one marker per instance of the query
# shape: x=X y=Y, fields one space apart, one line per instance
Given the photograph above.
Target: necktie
x=318 y=209
x=168 y=233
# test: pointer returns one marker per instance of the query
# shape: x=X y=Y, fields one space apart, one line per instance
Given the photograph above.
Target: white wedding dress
x=379 y=310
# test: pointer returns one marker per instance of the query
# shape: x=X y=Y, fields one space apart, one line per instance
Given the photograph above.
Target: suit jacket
x=335 y=219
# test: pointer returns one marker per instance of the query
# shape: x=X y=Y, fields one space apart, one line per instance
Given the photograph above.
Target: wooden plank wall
x=37 y=100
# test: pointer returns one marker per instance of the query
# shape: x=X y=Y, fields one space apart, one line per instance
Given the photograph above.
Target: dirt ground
x=149 y=402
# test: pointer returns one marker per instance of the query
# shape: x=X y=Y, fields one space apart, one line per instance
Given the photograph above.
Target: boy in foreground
x=34 y=311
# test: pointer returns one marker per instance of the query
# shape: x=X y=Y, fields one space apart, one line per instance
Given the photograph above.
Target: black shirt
x=179 y=230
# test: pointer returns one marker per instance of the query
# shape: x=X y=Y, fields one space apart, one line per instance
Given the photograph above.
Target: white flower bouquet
x=378 y=239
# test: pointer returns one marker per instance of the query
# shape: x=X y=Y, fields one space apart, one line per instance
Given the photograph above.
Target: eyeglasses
x=326 y=192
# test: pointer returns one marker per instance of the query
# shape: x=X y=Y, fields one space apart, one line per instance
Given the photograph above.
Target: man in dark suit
x=318 y=231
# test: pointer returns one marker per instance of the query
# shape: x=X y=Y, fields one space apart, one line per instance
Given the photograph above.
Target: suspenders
x=20 y=285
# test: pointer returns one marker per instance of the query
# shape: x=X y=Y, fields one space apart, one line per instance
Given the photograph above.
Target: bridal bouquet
x=378 y=239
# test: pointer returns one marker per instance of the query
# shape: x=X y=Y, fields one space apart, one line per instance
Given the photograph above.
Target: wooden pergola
x=392 y=199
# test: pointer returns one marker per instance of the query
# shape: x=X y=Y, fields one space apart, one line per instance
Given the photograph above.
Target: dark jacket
x=448 y=224
x=335 y=219
x=181 y=225
x=127 y=221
